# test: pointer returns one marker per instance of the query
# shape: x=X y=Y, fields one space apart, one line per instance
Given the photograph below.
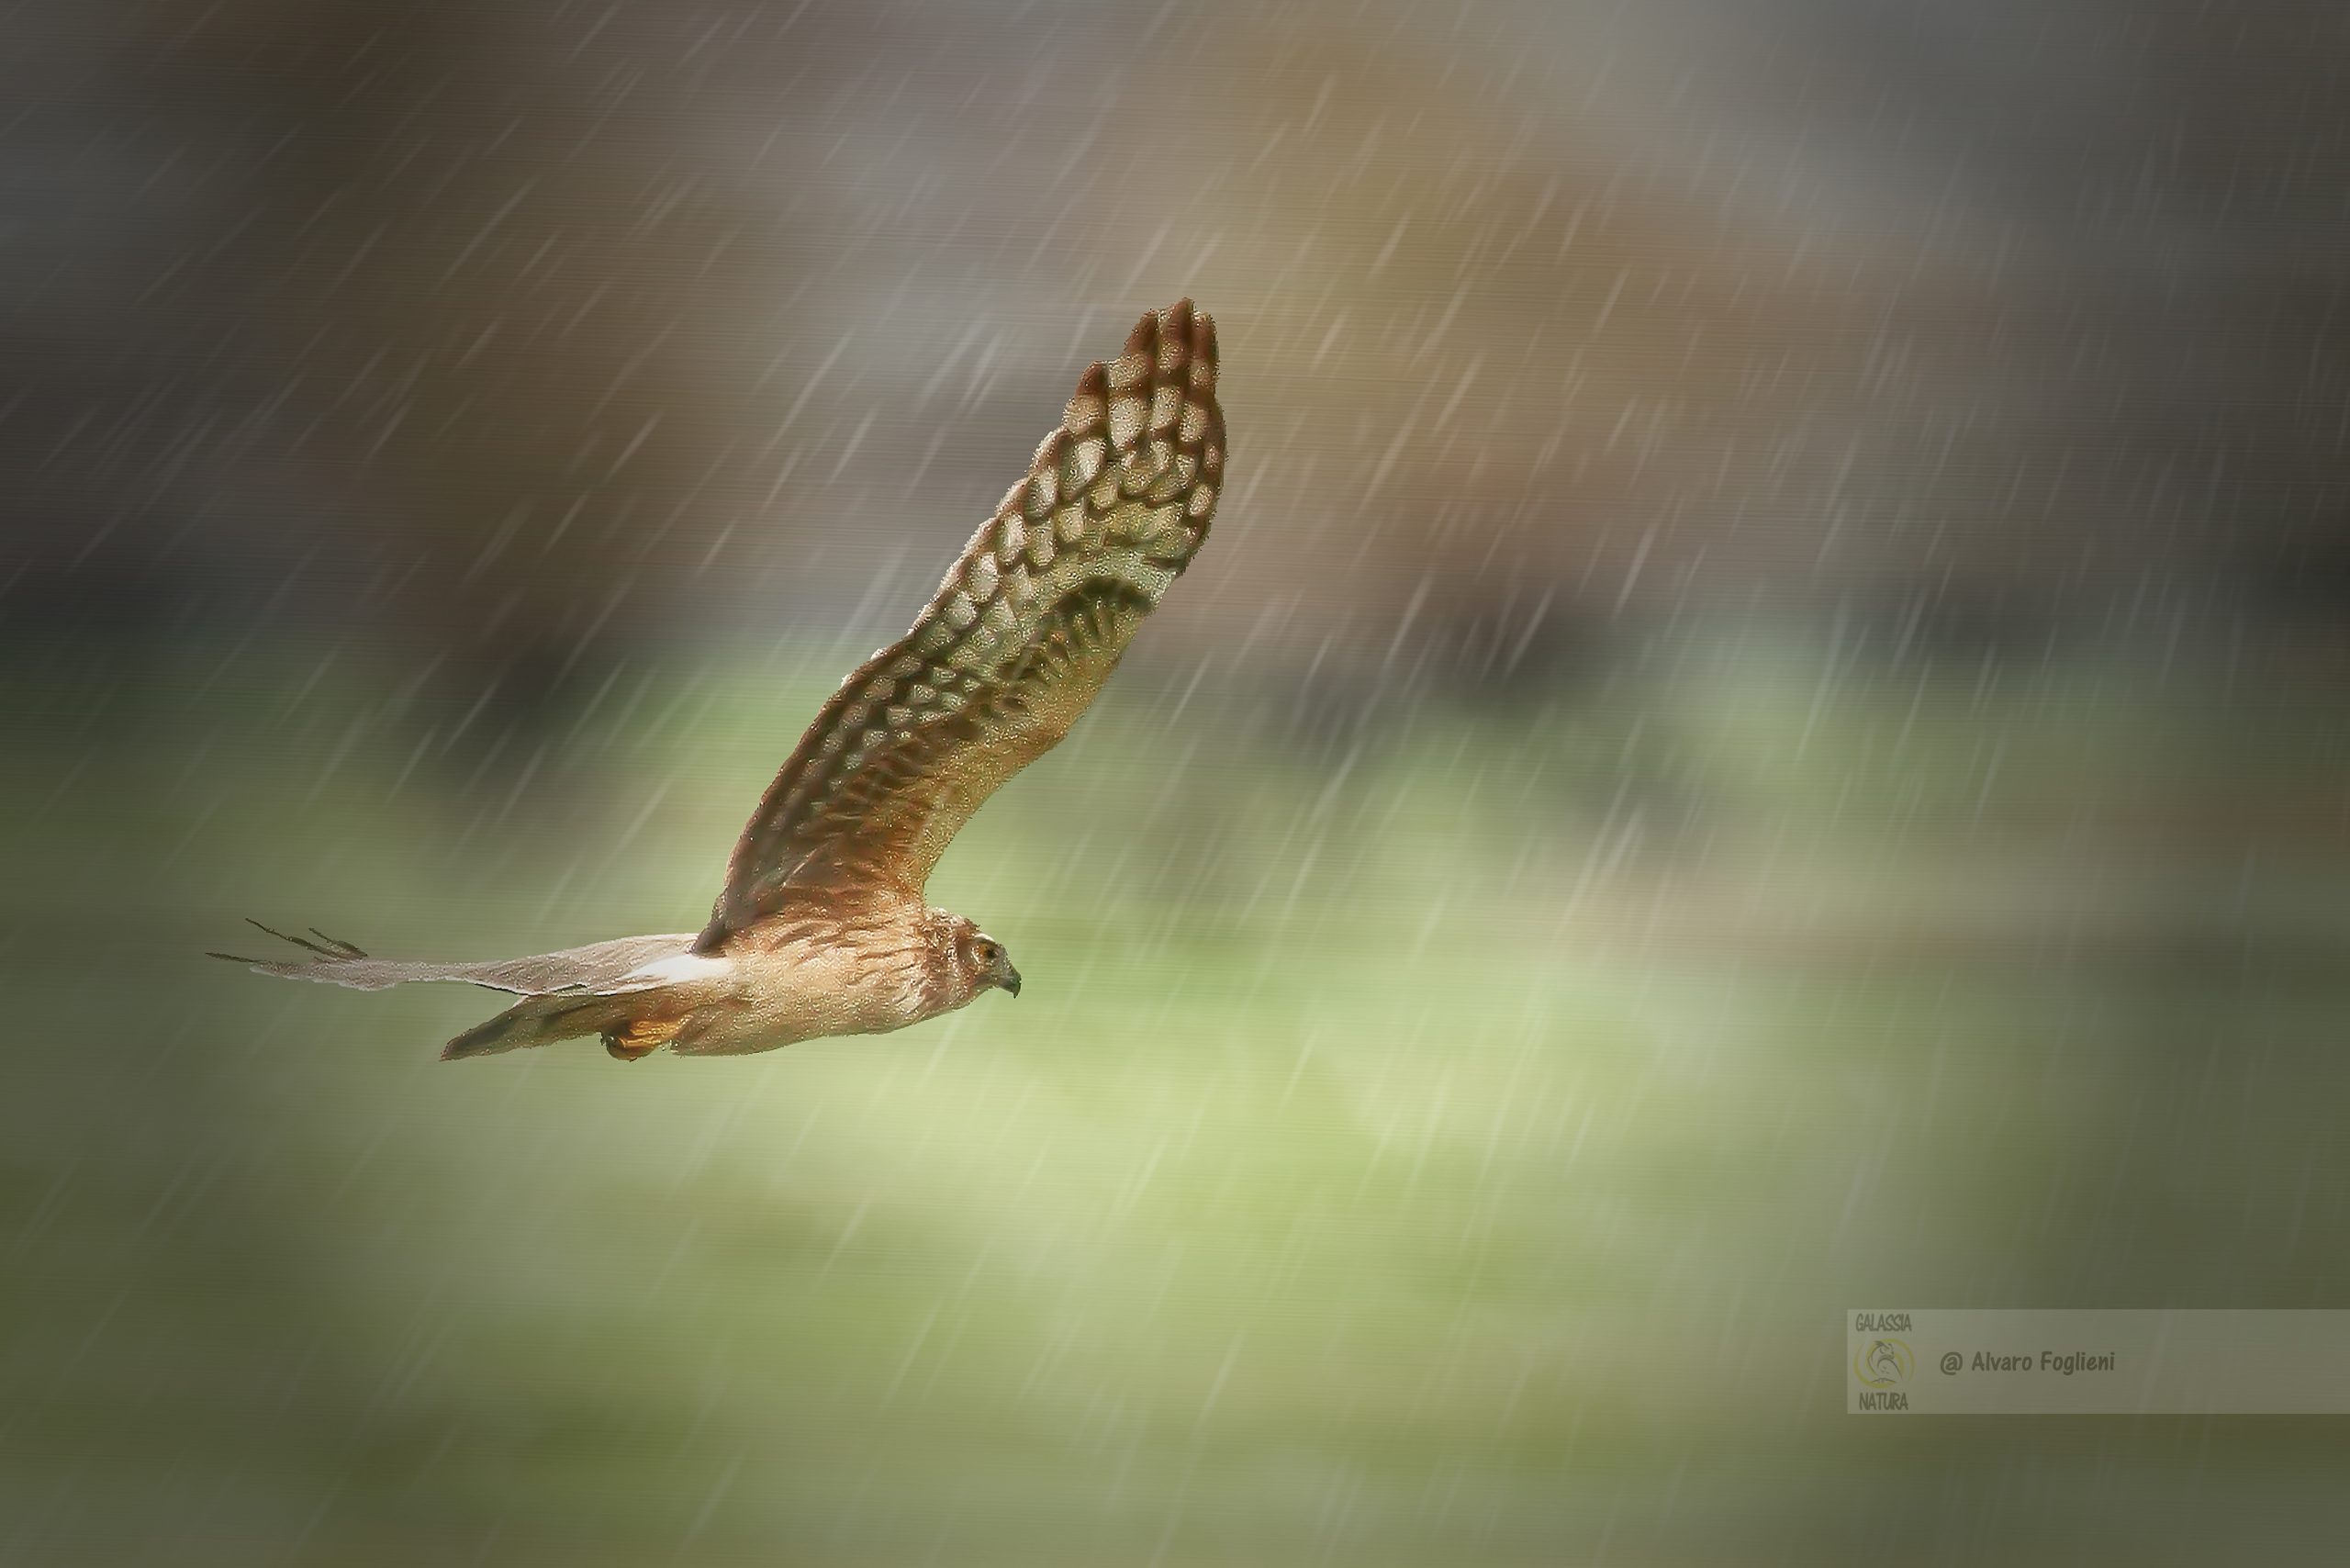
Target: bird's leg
x=640 y=1037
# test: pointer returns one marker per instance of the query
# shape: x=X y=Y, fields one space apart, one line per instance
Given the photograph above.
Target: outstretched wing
x=1023 y=633
x=605 y=967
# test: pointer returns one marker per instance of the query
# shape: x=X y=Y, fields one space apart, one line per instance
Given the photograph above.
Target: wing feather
x=1021 y=633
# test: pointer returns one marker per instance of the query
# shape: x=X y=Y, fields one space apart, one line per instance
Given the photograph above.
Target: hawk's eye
x=987 y=952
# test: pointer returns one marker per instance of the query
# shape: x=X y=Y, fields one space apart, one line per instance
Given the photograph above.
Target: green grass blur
x=1454 y=1149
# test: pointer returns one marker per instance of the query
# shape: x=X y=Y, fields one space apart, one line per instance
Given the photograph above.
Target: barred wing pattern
x=1021 y=633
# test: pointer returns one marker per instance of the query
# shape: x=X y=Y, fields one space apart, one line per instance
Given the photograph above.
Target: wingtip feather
x=1144 y=339
x=1087 y=403
x=1150 y=420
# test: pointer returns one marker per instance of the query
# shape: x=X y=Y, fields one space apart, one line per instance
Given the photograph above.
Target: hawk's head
x=980 y=960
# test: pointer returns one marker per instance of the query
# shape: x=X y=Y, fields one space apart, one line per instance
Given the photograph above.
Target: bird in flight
x=821 y=927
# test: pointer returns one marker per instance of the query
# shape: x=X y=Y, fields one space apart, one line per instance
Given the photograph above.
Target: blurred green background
x=1460 y=1155
x=1761 y=733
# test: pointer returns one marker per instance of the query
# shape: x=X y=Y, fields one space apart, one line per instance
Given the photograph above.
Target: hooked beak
x=1011 y=980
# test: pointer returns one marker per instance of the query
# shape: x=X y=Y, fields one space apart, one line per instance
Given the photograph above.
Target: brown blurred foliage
x=513 y=334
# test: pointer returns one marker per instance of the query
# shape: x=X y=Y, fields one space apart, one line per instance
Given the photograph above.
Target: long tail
x=622 y=1020
x=614 y=989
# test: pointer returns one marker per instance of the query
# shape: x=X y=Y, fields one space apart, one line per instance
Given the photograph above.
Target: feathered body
x=856 y=966
x=821 y=927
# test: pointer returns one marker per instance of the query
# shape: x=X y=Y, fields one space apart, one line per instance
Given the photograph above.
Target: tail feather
x=614 y=989
x=541 y=1020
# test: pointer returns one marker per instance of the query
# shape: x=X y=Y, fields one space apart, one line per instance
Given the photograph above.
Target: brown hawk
x=821 y=927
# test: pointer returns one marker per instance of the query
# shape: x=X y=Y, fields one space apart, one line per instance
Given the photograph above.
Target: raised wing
x=1023 y=633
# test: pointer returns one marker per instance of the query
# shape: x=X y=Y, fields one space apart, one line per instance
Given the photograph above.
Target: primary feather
x=819 y=927
x=1020 y=635
x=599 y=964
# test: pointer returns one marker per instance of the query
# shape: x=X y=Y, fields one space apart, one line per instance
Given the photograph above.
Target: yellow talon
x=641 y=1037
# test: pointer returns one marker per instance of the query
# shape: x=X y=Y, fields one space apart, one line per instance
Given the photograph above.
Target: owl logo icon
x=1883 y=1363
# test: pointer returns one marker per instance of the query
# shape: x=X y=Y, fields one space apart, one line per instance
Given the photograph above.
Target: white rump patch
x=681 y=968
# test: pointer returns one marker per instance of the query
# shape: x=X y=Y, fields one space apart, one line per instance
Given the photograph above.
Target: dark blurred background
x=1763 y=733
